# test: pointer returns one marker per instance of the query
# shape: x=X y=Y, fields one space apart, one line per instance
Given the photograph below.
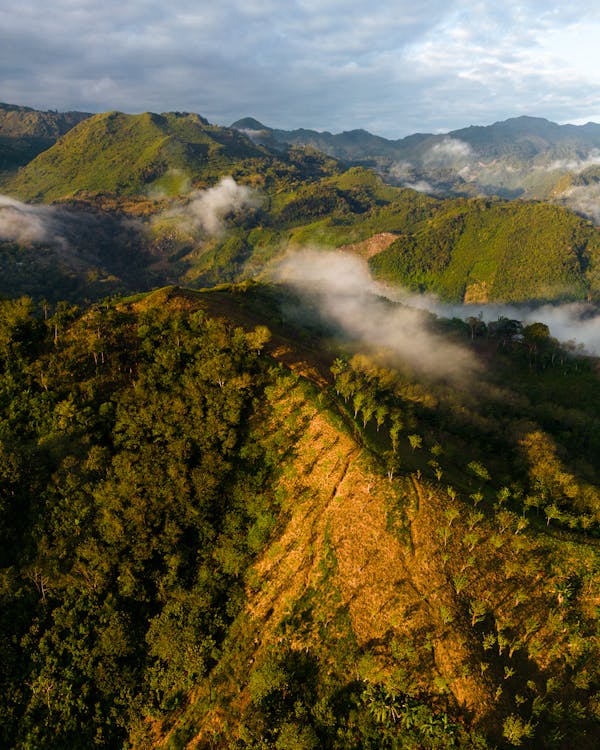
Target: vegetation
x=496 y=251
x=202 y=548
x=26 y=132
x=223 y=526
x=149 y=153
x=477 y=250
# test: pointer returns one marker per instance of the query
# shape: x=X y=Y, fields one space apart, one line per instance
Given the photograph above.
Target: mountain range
x=295 y=455
x=518 y=136
x=523 y=156
x=151 y=181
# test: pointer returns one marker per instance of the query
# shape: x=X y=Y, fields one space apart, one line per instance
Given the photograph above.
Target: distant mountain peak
x=249 y=123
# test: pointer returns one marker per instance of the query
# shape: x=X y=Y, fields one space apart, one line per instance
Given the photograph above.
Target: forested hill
x=228 y=229
x=220 y=529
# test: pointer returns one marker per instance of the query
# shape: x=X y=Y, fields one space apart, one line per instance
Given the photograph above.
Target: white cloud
x=449 y=152
x=421 y=186
x=347 y=296
x=26 y=224
x=584 y=199
x=207 y=210
x=577 y=165
x=576 y=321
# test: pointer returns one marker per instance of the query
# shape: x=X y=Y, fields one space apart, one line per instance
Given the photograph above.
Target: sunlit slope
x=473 y=250
x=482 y=251
x=129 y=154
x=220 y=529
x=418 y=606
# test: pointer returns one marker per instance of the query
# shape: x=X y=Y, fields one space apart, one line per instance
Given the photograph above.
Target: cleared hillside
x=205 y=548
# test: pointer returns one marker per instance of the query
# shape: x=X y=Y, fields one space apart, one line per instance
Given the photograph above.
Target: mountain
x=26 y=132
x=222 y=528
x=464 y=250
x=351 y=146
x=251 y=498
x=130 y=154
x=146 y=154
x=518 y=136
x=158 y=170
x=521 y=156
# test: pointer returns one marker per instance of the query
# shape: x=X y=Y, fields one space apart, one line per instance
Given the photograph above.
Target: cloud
x=449 y=152
x=393 y=68
x=421 y=186
x=576 y=165
x=576 y=321
x=207 y=210
x=345 y=293
x=404 y=173
x=26 y=224
x=584 y=199
x=254 y=135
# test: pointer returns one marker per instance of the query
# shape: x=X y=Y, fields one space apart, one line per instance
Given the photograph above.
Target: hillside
x=26 y=132
x=473 y=250
x=223 y=536
x=481 y=251
x=248 y=499
x=132 y=154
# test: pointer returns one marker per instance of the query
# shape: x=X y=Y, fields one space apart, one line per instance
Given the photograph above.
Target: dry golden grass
x=371 y=246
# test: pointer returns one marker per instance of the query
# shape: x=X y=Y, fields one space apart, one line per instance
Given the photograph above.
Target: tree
x=416 y=441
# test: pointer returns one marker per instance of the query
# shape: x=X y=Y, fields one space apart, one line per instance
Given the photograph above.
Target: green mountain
x=143 y=167
x=488 y=251
x=473 y=250
x=26 y=132
x=295 y=516
x=133 y=154
x=221 y=534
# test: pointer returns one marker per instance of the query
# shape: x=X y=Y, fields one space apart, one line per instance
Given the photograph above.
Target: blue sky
x=393 y=68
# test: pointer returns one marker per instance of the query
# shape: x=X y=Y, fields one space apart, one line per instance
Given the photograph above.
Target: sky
x=392 y=67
